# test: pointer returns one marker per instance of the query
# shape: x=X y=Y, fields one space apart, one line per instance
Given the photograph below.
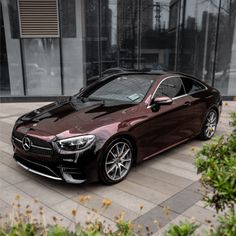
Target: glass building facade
x=196 y=37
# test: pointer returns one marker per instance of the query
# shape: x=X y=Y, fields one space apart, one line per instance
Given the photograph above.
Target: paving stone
x=65 y=189
x=124 y=199
x=176 y=171
x=10 y=120
x=8 y=160
x=163 y=176
x=41 y=192
x=8 y=195
x=142 y=191
x=177 y=163
x=196 y=187
x=182 y=201
x=3 y=183
x=153 y=183
x=110 y=212
x=3 y=205
x=65 y=208
x=6 y=147
x=151 y=218
x=10 y=175
x=201 y=214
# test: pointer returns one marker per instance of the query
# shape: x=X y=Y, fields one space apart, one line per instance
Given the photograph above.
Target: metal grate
x=38 y=18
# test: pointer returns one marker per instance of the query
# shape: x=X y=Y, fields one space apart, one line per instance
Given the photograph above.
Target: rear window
x=192 y=86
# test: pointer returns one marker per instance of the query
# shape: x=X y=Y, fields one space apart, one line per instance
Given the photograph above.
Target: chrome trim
x=38 y=173
x=168 y=77
x=32 y=145
x=17 y=139
x=186 y=94
x=35 y=146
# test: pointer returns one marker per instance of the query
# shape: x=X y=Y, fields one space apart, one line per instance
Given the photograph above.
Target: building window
x=42 y=66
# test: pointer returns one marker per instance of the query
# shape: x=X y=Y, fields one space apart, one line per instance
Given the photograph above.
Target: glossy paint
x=150 y=131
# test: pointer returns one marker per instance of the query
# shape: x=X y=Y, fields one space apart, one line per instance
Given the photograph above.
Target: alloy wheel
x=211 y=124
x=118 y=161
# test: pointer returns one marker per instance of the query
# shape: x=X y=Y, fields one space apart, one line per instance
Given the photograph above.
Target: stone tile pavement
x=165 y=187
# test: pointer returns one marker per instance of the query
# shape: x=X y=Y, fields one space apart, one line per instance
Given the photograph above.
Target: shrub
x=183 y=229
x=216 y=162
x=226 y=227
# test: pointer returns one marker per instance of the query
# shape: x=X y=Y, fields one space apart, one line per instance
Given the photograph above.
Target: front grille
x=40 y=142
x=39 y=146
x=37 y=168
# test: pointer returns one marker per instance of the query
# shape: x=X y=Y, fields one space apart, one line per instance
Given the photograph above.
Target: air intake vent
x=38 y=18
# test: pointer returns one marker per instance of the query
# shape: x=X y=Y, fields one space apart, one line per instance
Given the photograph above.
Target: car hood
x=72 y=117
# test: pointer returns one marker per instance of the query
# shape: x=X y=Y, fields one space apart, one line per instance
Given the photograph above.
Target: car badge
x=26 y=143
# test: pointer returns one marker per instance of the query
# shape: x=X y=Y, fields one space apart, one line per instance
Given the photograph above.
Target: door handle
x=187 y=104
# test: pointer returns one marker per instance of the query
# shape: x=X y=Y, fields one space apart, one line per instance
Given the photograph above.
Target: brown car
x=118 y=121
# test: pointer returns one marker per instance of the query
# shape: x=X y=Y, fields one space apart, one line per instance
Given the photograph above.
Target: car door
x=165 y=126
x=196 y=94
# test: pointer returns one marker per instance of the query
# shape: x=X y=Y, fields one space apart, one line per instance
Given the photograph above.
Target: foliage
x=233 y=119
x=226 y=227
x=216 y=162
x=182 y=229
x=23 y=222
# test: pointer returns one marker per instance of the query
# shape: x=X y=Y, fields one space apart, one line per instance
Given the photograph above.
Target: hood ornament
x=26 y=144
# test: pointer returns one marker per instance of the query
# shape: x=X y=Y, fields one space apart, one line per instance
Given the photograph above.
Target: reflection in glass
x=92 y=38
x=11 y=49
x=4 y=73
x=42 y=66
x=127 y=28
x=198 y=38
x=71 y=46
x=159 y=20
x=225 y=73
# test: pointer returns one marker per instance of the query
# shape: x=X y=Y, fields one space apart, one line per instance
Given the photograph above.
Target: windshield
x=126 y=88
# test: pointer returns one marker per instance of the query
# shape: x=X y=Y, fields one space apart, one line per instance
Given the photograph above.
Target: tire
x=116 y=161
x=209 y=126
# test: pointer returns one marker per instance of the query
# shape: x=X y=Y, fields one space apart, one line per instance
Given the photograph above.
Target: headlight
x=76 y=143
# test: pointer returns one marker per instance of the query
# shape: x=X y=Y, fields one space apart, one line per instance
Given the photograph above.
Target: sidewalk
x=166 y=186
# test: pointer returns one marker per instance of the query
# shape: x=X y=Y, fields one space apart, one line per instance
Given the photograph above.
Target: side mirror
x=162 y=100
x=158 y=101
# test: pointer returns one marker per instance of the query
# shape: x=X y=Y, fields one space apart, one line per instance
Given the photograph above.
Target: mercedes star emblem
x=26 y=143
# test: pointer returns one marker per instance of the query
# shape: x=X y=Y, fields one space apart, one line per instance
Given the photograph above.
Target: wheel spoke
x=113 y=154
x=119 y=168
x=117 y=150
x=115 y=172
x=123 y=166
x=124 y=154
x=111 y=169
x=122 y=150
x=111 y=162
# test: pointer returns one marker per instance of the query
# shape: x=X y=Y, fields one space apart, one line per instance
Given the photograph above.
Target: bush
x=216 y=162
x=183 y=229
x=226 y=227
x=22 y=222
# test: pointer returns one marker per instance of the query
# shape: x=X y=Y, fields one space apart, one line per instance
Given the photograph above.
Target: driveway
x=164 y=189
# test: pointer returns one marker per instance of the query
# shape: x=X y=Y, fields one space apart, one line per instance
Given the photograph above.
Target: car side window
x=191 y=85
x=171 y=87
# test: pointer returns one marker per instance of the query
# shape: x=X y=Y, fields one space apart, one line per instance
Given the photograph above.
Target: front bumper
x=44 y=160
